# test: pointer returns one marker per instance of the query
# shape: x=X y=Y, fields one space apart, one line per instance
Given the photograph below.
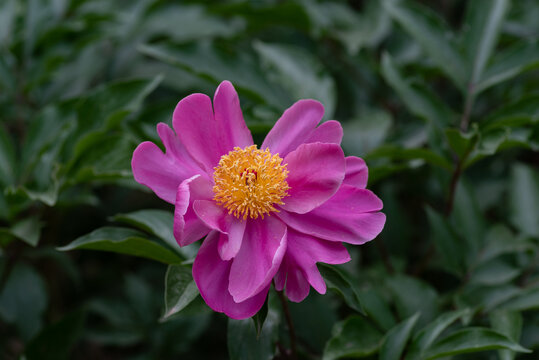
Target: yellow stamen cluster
x=249 y=182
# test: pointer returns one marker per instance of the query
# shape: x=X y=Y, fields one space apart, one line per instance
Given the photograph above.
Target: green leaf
x=262 y=15
x=48 y=196
x=500 y=240
x=366 y=131
x=488 y=297
x=418 y=99
x=508 y=323
x=7 y=159
x=449 y=246
x=338 y=280
x=518 y=113
x=412 y=296
x=299 y=72
x=23 y=300
x=424 y=338
x=185 y=23
x=215 y=64
x=396 y=339
x=180 y=290
x=525 y=300
x=313 y=320
x=140 y=296
x=489 y=143
x=354 y=337
x=100 y=155
x=494 y=272
x=124 y=241
x=468 y=219
x=104 y=109
x=259 y=318
x=432 y=34
x=158 y=223
x=398 y=153
x=57 y=340
x=47 y=131
x=524 y=199
x=461 y=143
x=377 y=309
x=483 y=22
x=243 y=341
x=353 y=29
x=514 y=60
x=105 y=104
x=471 y=340
x=7 y=20
x=28 y=230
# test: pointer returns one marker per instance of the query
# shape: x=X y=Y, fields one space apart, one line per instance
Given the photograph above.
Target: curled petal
x=299 y=264
x=297 y=286
x=188 y=228
x=216 y=217
x=357 y=172
x=351 y=215
x=294 y=127
x=211 y=275
x=315 y=173
x=259 y=258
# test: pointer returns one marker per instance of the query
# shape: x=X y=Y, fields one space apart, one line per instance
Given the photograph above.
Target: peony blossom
x=268 y=213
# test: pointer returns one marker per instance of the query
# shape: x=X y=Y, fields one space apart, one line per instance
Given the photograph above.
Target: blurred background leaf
x=439 y=98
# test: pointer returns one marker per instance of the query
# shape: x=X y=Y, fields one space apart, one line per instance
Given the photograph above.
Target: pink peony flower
x=268 y=213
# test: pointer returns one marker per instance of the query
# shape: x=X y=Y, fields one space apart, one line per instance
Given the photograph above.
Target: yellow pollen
x=250 y=182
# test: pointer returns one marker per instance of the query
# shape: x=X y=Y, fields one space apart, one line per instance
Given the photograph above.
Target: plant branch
x=453 y=187
x=468 y=105
x=289 y=323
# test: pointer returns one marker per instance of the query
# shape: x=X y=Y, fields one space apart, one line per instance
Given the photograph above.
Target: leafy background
x=440 y=98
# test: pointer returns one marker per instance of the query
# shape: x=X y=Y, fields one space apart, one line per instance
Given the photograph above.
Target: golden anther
x=250 y=182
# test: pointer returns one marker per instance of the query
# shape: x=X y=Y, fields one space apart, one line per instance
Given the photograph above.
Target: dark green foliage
x=440 y=98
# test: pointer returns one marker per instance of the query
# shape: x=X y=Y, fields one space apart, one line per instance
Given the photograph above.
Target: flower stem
x=291 y=332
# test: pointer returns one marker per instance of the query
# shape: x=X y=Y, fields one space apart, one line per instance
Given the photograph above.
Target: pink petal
x=297 y=287
x=351 y=216
x=329 y=132
x=174 y=148
x=230 y=245
x=217 y=218
x=157 y=171
x=229 y=116
x=279 y=280
x=208 y=137
x=213 y=215
x=294 y=127
x=211 y=275
x=195 y=124
x=163 y=172
x=315 y=173
x=188 y=228
x=259 y=258
x=357 y=172
x=302 y=254
x=306 y=249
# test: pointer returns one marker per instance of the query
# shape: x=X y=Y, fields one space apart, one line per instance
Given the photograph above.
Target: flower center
x=249 y=182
